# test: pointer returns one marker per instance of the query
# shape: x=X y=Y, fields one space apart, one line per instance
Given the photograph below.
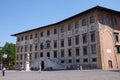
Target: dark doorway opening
x=42 y=65
x=110 y=64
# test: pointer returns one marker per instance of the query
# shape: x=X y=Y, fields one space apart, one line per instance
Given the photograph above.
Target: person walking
x=3 y=71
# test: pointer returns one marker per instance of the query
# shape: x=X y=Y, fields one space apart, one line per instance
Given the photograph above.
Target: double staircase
x=50 y=63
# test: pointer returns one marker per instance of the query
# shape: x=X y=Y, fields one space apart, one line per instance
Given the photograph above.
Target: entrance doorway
x=42 y=65
x=110 y=64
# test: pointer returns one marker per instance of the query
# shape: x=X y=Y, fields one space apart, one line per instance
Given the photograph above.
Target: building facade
x=90 y=39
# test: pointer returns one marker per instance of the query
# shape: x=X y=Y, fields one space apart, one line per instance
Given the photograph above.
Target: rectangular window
x=118 y=49
x=85 y=50
x=62 y=29
x=36 y=35
x=48 y=33
x=76 y=24
x=69 y=41
x=55 y=31
x=26 y=37
x=31 y=36
x=92 y=36
x=69 y=27
x=77 y=60
x=36 y=47
x=55 y=43
x=94 y=59
x=113 y=21
x=25 y=48
x=84 y=36
x=84 y=23
x=69 y=52
x=41 y=34
x=21 y=57
x=62 y=43
x=62 y=53
x=92 y=19
x=77 y=39
x=30 y=47
x=36 y=54
x=116 y=37
x=22 y=38
x=41 y=54
x=77 y=52
x=69 y=61
x=85 y=60
x=62 y=61
x=93 y=49
x=21 y=48
x=48 y=54
x=18 y=39
x=55 y=54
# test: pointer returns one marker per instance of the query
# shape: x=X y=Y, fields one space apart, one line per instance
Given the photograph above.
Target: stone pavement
x=62 y=75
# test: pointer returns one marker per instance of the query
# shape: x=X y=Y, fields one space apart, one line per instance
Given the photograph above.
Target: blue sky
x=21 y=15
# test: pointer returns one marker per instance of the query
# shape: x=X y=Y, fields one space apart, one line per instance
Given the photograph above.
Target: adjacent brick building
x=90 y=39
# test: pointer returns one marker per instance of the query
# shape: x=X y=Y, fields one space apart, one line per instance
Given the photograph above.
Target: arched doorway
x=110 y=64
x=42 y=65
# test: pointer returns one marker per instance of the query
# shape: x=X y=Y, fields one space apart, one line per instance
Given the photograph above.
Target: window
x=36 y=54
x=77 y=60
x=118 y=49
x=69 y=52
x=62 y=61
x=36 y=47
x=77 y=39
x=48 y=44
x=76 y=24
x=21 y=57
x=92 y=36
x=84 y=36
x=84 y=23
x=41 y=46
x=18 y=39
x=55 y=31
x=69 y=61
x=93 y=49
x=48 y=33
x=92 y=19
x=31 y=36
x=113 y=21
x=30 y=47
x=55 y=43
x=22 y=38
x=36 y=35
x=48 y=54
x=62 y=29
x=116 y=36
x=69 y=27
x=94 y=59
x=55 y=54
x=25 y=48
x=85 y=60
x=21 y=48
x=26 y=37
x=85 y=50
x=69 y=41
x=62 y=53
x=77 y=52
x=41 y=54
x=41 y=34
x=62 y=43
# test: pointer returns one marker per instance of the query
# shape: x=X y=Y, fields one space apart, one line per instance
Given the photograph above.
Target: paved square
x=62 y=75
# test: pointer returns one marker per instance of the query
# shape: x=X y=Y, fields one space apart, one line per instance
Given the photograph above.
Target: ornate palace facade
x=90 y=39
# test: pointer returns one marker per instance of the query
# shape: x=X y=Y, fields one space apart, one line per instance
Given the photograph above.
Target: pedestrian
x=3 y=71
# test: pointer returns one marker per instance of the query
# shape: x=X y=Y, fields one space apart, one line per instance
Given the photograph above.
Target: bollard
x=81 y=68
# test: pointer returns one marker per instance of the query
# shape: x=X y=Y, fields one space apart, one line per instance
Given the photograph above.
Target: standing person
x=3 y=71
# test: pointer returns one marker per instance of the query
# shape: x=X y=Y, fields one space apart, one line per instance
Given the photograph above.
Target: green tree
x=9 y=49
